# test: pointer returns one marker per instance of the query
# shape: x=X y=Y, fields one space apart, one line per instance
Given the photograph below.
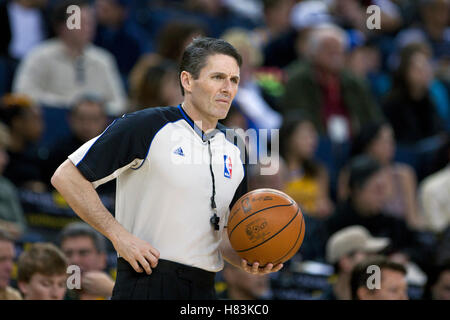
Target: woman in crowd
x=308 y=181
x=377 y=141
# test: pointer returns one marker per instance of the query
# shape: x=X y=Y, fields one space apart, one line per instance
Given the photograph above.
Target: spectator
x=158 y=84
x=351 y=14
x=41 y=272
x=364 y=207
x=288 y=46
x=434 y=197
x=432 y=29
x=86 y=248
x=392 y=280
x=24 y=25
x=216 y=16
x=377 y=141
x=114 y=35
x=87 y=119
x=241 y=285
x=11 y=214
x=70 y=65
x=269 y=172
x=24 y=120
x=338 y=104
x=6 y=267
x=344 y=250
x=276 y=20
x=251 y=99
x=308 y=181
x=438 y=283
x=175 y=36
x=409 y=106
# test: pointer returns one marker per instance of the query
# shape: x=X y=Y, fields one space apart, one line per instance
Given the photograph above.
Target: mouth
x=226 y=101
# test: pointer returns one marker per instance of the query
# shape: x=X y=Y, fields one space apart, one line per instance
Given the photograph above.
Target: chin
x=221 y=113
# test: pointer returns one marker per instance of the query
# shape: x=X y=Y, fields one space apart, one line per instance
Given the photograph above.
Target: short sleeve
x=123 y=145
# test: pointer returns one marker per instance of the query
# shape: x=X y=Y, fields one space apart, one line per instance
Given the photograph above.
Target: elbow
x=55 y=180
x=58 y=176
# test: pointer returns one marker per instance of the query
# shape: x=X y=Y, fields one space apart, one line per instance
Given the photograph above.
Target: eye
x=217 y=76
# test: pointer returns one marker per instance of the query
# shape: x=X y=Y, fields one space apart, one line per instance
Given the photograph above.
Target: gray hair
x=320 y=33
x=77 y=229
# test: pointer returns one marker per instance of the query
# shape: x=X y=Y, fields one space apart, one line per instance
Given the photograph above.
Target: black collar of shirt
x=204 y=136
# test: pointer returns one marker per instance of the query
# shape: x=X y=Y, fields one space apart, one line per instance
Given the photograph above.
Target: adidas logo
x=179 y=152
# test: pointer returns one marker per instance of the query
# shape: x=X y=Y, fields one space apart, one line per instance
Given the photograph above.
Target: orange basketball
x=266 y=226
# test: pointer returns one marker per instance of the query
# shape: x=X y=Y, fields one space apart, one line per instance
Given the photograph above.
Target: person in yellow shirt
x=308 y=179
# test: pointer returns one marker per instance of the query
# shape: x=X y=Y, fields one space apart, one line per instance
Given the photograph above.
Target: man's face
x=6 y=262
x=216 y=86
x=85 y=34
x=30 y=124
x=88 y=121
x=81 y=251
x=42 y=287
x=331 y=55
x=393 y=287
x=441 y=290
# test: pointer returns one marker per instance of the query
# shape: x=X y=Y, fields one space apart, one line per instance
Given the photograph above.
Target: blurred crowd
x=362 y=115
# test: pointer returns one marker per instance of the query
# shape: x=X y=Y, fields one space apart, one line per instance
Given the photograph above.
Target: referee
x=178 y=172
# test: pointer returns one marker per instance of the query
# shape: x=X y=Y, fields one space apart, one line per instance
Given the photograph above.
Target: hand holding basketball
x=265 y=227
x=256 y=269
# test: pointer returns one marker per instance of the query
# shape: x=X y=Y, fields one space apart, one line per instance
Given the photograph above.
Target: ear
x=346 y=264
x=186 y=81
x=23 y=286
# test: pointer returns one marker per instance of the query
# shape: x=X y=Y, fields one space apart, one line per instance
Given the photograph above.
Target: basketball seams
x=265 y=190
x=295 y=244
x=278 y=205
x=279 y=231
x=257 y=228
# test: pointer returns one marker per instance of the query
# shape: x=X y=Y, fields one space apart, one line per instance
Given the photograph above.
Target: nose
x=227 y=87
x=56 y=292
x=75 y=259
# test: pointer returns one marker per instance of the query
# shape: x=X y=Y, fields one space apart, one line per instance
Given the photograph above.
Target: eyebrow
x=224 y=74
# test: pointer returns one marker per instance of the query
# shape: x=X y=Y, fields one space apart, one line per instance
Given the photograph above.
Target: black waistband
x=193 y=274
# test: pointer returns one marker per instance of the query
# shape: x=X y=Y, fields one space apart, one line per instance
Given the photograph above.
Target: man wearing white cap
x=344 y=250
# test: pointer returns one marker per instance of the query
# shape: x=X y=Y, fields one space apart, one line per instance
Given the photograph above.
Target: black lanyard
x=214 y=219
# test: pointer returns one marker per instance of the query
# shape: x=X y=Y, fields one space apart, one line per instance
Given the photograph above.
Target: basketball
x=266 y=226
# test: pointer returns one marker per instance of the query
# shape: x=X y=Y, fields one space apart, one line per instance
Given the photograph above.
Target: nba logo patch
x=227 y=171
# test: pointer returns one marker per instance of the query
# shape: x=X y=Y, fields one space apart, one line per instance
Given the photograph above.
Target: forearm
x=84 y=200
x=228 y=253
